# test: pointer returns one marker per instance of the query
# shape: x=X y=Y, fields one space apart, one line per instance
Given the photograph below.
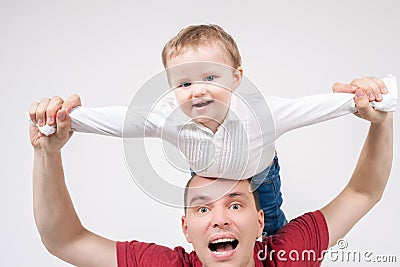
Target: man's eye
x=186 y=84
x=203 y=210
x=235 y=206
x=210 y=78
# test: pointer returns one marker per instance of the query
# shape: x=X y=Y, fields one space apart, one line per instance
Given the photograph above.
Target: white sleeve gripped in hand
x=118 y=121
x=104 y=121
x=290 y=114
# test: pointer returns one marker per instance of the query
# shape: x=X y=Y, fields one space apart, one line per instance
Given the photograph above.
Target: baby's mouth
x=202 y=103
x=223 y=245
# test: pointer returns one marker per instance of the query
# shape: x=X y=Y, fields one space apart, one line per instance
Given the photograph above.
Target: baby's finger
x=41 y=111
x=55 y=105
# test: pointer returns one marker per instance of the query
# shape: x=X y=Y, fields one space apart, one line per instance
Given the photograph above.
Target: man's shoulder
x=305 y=234
x=313 y=222
x=135 y=252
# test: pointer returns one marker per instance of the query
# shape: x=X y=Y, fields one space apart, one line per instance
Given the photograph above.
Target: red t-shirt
x=301 y=242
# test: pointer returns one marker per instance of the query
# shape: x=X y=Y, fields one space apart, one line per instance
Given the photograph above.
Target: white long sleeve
x=104 y=121
x=243 y=146
x=290 y=114
x=117 y=121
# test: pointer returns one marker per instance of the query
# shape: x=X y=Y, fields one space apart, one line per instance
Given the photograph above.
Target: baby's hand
x=372 y=86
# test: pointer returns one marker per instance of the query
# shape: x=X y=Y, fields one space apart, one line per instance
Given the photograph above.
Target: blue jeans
x=270 y=197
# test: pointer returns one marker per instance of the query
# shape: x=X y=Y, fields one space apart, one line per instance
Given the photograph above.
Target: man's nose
x=198 y=90
x=221 y=219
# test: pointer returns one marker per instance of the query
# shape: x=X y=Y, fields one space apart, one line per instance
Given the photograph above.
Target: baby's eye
x=203 y=209
x=210 y=78
x=186 y=84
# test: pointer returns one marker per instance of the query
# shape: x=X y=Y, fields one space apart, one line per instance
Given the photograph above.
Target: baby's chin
x=203 y=120
x=206 y=120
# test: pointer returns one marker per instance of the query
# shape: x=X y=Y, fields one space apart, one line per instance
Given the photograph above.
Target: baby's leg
x=270 y=198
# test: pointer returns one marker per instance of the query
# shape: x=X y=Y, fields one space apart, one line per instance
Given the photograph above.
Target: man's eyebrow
x=201 y=198
x=237 y=194
x=207 y=199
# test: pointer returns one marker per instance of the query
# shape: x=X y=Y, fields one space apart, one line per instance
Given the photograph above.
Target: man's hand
x=365 y=111
x=373 y=87
x=52 y=111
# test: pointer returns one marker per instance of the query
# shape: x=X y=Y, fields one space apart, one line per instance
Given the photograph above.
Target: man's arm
x=58 y=224
x=370 y=177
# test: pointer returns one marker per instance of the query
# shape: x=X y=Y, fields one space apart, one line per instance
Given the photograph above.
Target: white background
x=105 y=50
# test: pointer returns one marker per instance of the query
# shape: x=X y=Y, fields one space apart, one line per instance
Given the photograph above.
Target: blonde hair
x=195 y=35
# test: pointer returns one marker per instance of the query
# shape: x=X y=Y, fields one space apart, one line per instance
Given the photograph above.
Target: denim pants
x=270 y=197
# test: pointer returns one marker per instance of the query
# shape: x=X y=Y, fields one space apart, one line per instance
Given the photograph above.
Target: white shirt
x=243 y=145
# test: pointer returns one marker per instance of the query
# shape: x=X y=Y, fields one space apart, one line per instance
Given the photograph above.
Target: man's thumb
x=63 y=123
x=362 y=104
x=344 y=88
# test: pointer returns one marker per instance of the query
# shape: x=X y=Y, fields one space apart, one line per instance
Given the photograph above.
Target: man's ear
x=185 y=229
x=260 y=221
x=237 y=76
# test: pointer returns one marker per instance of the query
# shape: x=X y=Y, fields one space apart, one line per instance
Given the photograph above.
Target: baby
x=218 y=120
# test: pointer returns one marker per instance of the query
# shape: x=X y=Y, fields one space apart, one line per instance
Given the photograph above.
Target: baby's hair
x=195 y=35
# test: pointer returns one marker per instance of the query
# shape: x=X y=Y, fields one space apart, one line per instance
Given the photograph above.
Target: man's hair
x=185 y=195
x=194 y=36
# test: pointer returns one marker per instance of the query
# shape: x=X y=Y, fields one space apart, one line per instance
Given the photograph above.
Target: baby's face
x=203 y=82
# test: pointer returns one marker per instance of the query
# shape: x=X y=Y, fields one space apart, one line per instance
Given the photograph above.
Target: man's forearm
x=373 y=168
x=370 y=177
x=54 y=213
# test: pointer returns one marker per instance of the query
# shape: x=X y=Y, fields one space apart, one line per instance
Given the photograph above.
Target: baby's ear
x=237 y=77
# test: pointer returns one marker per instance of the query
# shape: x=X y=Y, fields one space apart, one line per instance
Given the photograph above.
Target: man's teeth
x=220 y=252
x=223 y=245
x=222 y=240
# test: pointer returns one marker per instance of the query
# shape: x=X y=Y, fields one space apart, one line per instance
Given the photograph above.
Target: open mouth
x=202 y=103
x=223 y=245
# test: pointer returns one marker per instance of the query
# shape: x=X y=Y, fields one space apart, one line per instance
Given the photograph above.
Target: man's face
x=203 y=82
x=222 y=231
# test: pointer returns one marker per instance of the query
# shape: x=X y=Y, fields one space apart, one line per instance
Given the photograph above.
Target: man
x=223 y=231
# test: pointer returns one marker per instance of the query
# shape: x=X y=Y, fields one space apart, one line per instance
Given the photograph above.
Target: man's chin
x=227 y=256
